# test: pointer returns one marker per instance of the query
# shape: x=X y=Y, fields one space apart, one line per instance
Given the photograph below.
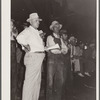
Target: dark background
x=77 y=16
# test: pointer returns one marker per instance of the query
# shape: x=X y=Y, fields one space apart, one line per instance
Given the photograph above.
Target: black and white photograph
x=52 y=46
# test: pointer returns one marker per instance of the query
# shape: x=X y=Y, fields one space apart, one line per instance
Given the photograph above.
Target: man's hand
x=64 y=51
x=27 y=48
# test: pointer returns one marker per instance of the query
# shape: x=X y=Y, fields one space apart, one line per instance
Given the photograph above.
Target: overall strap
x=57 y=40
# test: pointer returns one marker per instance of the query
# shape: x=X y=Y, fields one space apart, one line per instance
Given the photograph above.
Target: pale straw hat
x=33 y=16
x=54 y=23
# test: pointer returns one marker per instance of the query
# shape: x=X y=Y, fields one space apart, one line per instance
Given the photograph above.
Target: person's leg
x=92 y=65
x=20 y=77
x=13 y=71
x=72 y=65
x=66 y=77
x=81 y=60
x=59 y=81
x=77 y=65
x=13 y=81
x=69 y=80
x=87 y=67
x=31 y=87
x=50 y=78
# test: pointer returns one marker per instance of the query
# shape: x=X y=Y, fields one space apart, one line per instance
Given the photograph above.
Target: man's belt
x=39 y=52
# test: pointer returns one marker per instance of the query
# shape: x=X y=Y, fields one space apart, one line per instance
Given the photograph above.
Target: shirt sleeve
x=50 y=42
x=22 y=38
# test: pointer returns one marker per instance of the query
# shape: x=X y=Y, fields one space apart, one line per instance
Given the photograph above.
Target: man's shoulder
x=26 y=30
x=50 y=36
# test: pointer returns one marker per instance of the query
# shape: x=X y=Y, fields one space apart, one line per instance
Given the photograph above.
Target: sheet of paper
x=53 y=47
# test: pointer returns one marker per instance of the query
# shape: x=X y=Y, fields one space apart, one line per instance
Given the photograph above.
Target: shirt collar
x=33 y=29
x=55 y=35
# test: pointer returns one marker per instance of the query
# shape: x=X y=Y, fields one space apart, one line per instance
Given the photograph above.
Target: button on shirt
x=30 y=36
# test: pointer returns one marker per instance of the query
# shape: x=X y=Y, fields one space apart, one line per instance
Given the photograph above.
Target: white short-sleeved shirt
x=30 y=36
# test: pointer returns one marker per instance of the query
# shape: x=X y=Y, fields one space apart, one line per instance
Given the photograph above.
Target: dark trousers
x=13 y=71
x=68 y=84
x=56 y=76
x=82 y=64
x=86 y=65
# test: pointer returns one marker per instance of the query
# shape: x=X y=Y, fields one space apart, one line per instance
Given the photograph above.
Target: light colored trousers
x=31 y=87
x=76 y=64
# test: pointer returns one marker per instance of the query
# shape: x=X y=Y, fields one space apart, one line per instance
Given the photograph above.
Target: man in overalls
x=55 y=64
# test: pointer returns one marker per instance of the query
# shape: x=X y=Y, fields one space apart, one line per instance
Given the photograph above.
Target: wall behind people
x=77 y=16
x=85 y=16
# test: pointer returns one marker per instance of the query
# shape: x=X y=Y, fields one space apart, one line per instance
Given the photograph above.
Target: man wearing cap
x=55 y=63
x=67 y=61
x=32 y=43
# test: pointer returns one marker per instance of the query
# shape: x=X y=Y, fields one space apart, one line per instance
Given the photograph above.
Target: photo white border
x=97 y=49
x=5 y=49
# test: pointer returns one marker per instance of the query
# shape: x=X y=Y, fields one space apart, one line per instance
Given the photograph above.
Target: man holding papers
x=55 y=64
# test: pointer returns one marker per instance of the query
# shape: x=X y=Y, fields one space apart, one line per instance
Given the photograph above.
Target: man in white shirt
x=55 y=64
x=32 y=43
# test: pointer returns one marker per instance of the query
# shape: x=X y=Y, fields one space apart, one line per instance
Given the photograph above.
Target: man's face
x=64 y=36
x=35 y=23
x=56 y=28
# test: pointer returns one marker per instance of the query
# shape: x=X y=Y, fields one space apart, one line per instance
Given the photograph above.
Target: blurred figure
x=42 y=34
x=68 y=85
x=64 y=37
x=14 y=31
x=74 y=62
x=25 y=25
x=84 y=60
x=89 y=59
x=93 y=47
x=81 y=60
x=20 y=69
x=14 y=34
